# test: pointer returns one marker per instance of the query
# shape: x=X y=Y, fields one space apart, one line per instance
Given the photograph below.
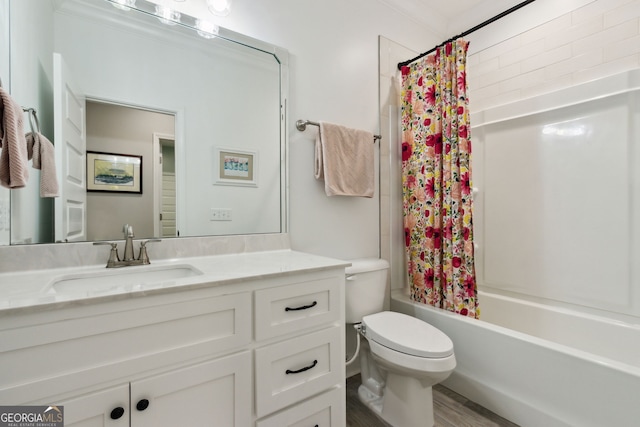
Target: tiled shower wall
x=599 y=39
x=595 y=40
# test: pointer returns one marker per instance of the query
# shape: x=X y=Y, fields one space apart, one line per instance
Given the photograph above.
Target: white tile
x=595 y=8
x=622 y=49
x=576 y=63
x=484 y=67
x=522 y=53
x=550 y=27
x=549 y=57
x=549 y=85
x=623 y=13
x=513 y=84
x=607 y=69
x=606 y=37
x=473 y=60
x=493 y=101
x=498 y=75
x=575 y=32
x=500 y=48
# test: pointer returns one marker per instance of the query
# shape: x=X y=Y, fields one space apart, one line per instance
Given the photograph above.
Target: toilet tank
x=365 y=288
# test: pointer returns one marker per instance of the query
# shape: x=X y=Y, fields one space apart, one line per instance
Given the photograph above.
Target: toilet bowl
x=401 y=357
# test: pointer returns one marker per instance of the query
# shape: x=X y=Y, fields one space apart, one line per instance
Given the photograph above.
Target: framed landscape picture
x=117 y=173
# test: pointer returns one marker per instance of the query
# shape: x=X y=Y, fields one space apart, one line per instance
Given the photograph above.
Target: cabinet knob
x=117 y=413
x=142 y=404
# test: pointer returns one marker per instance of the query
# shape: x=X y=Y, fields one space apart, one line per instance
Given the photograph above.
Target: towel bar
x=301 y=125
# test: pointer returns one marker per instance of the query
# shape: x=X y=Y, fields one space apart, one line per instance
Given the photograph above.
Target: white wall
x=31 y=63
x=333 y=47
x=553 y=49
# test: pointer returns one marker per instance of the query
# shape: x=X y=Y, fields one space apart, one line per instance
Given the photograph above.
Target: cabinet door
x=214 y=393
x=106 y=408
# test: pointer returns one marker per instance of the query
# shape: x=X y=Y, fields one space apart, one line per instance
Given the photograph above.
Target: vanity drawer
x=290 y=308
x=325 y=410
x=134 y=340
x=296 y=369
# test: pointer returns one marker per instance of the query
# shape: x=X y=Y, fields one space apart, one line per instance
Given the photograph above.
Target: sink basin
x=122 y=279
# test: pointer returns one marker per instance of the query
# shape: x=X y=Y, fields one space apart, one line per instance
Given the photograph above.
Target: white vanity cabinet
x=216 y=392
x=311 y=358
x=263 y=351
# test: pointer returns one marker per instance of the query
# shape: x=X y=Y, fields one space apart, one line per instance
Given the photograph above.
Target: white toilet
x=401 y=358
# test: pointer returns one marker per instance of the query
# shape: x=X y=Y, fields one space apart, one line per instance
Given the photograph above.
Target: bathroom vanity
x=249 y=339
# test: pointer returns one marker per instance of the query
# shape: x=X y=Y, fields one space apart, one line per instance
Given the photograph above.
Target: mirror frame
x=280 y=55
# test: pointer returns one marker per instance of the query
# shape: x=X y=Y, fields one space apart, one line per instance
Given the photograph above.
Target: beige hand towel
x=43 y=153
x=14 y=172
x=344 y=158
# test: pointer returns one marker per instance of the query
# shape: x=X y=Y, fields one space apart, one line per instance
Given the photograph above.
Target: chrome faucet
x=128 y=259
x=128 y=243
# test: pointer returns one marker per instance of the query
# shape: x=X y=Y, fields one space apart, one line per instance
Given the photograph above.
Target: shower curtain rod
x=477 y=27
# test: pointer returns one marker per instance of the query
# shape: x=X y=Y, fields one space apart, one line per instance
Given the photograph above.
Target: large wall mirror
x=157 y=124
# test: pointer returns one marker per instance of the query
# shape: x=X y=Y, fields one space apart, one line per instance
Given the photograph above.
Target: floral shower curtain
x=436 y=179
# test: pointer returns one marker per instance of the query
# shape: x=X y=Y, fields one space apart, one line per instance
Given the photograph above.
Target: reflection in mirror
x=121 y=131
x=198 y=96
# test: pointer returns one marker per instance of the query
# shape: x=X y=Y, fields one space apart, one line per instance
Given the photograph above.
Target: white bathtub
x=562 y=368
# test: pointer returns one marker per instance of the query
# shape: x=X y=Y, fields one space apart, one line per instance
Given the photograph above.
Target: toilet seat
x=407 y=335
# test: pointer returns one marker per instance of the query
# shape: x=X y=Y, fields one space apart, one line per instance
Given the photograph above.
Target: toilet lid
x=407 y=334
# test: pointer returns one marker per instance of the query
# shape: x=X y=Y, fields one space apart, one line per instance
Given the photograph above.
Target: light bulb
x=123 y=4
x=167 y=16
x=206 y=29
x=219 y=7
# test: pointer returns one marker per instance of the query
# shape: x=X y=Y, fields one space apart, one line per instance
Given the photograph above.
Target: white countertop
x=33 y=289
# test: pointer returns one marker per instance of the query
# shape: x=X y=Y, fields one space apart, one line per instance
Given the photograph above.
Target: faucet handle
x=113 y=254
x=143 y=257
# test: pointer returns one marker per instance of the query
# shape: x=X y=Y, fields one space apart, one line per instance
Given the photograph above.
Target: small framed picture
x=235 y=167
x=116 y=173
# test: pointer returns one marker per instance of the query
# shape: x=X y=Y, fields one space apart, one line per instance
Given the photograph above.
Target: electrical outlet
x=220 y=214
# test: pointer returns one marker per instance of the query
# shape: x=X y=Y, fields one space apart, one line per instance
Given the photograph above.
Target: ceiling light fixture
x=219 y=7
x=123 y=4
x=167 y=16
x=206 y=29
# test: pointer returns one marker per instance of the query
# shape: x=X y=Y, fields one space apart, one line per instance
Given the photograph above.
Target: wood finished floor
x=451 y=410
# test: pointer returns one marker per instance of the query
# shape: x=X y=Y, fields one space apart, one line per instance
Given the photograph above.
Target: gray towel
x=344 y=158
x=43 y=153
x=14 y=172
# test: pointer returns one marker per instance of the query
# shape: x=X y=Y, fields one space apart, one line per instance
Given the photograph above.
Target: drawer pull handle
x=117 y=413
x=304 y=307
x=306 y=368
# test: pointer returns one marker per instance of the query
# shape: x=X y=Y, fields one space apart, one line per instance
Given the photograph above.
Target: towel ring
x=33 y=117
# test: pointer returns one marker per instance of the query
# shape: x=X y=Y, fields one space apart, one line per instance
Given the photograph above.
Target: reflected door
x=70 y=147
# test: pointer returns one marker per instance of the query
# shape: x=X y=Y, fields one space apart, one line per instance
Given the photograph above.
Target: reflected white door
x=71 y=147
